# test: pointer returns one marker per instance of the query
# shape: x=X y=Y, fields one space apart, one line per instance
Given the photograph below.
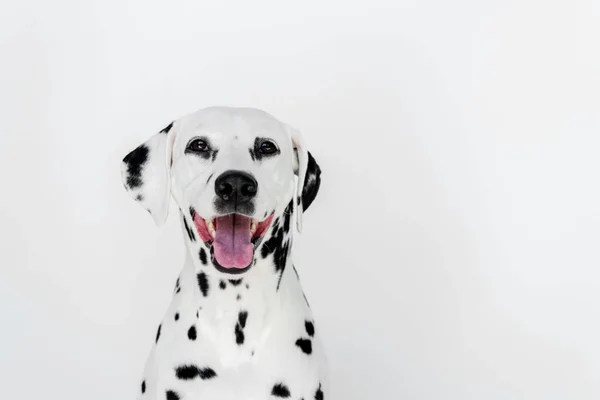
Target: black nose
x=236 y=187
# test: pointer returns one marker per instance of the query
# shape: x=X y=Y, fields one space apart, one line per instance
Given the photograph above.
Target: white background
x=452 y=253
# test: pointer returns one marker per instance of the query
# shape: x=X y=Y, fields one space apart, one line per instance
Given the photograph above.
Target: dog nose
x=236 y=186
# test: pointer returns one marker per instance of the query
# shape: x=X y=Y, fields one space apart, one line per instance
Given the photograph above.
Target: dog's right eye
x=197 y=146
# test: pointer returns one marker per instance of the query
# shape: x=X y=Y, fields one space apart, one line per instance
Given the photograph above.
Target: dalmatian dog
x=239 y=326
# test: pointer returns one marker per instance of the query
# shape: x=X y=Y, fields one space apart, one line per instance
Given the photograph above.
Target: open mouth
x=233 y=238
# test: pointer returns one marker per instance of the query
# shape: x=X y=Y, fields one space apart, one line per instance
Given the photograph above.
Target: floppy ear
x=145 y=174
x=309 y=176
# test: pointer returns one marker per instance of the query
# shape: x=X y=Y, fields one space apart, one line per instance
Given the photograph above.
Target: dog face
x=231 y=171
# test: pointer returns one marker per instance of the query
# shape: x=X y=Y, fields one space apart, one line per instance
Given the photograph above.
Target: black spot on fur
x=203 y=283
x=139 y=197
x=251 y=151
x=319 y=394
x=192 y=333
x=208 y=180
x=239 y=297
x=305 y=345
x=222 y=285
x=192 y=213
x=135 y=162
x=248 y=286
x=214 y=155
x=171 y=395
x=176 y=316
x=280 y=390
x=178 y=290
x=143 y=387
x=187 y=372
x=310 y=328
x=235 y=282
x=202 y=256
x=207 y=373
x=189 y=230
x=242 y=318
x=167 y=128
x=158 y=333
x=239 y=327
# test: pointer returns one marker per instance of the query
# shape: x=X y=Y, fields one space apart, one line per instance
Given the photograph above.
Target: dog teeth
x=253 y=228
x=211 y=229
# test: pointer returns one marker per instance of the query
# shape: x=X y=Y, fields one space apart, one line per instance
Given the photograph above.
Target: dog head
x=233 y=172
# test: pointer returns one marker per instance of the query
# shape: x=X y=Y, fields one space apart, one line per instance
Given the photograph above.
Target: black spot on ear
x=189 y=230
x=203 y=283
x=280 y=390
x=310 y=328
x=319 y=394
x=235 y=282
x=305 y=345
x=139 y=197
x=171 y=395
x=312 y=182
x=176 y=316
x=143 y=387
x=192 y=333
x=135 y=161
x=158 y=333
x=202 y=256
x=239 y=327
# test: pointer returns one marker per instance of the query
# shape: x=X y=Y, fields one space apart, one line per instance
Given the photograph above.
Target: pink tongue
x=232 y=242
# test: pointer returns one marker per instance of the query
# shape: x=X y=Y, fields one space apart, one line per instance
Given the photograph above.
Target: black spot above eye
x=280 y=390
x=135 y=161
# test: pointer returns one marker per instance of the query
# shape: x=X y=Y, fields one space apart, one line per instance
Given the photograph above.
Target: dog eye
x=268 y=147
x=198 y=145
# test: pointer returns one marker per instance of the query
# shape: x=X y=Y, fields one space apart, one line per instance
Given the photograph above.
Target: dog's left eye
x=198 y=145
x=268 y=147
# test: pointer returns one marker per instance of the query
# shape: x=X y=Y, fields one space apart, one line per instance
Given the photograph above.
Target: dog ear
x=145 y=174
x=309 y=176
